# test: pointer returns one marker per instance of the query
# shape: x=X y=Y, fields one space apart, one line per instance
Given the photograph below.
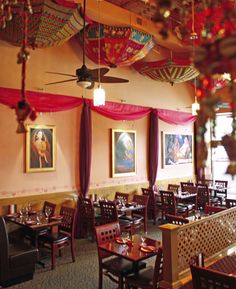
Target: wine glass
x=143 y=238
x=125 y=237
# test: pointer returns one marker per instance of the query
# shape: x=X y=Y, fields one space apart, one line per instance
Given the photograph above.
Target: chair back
x=190 y=189
x=151 y=197
x=87 y=209
x=222 y=185
x=212 y=210
x=173 y=188
x=158 y=269
x=109 y=212
x=68 y=222
x=4 y=250
x=203 y=196
x=177 y=220
x=184 y=184
x=203 y=278
x=122 y=197
x=168 y=202
x=49 y=206
x=106 y=233
x=230 y=203
x=141 y=200
x=208 y=182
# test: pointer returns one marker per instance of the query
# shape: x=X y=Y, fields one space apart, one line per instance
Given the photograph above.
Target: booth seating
x=17 y=260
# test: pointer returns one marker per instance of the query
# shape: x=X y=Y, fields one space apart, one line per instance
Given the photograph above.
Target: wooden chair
x=109 y=214
x=169 y=206
x=173 y=188
x=88 y=218
x=17 y=260
x=115 y=268
x=122 y=197
x=141 y=215
x=153 y=203
x=212 y=209
x=230 y=203
x=48 y=206
x=204 y=197
x=203 y=278
x=184 y=184
x=221 y=192
x=177 y=220
x=64 y=236
x=149 y=277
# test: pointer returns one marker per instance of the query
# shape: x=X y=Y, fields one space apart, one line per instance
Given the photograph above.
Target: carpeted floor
x=83 y=274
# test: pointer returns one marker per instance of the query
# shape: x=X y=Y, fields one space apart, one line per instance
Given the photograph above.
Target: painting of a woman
x=40 y=148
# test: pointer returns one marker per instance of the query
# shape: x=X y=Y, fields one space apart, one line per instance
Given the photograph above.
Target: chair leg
x=72 y=249
x=53 y=256
x=100 y=276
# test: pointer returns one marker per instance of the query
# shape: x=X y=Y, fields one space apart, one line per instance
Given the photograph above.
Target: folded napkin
x=147 y=249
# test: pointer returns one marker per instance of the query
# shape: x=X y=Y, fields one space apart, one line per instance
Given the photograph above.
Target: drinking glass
x=143 y=238
x=125 y=237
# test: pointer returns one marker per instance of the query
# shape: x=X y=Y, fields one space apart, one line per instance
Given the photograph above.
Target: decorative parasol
x=120 y=46
x=50 y=24
x=167 y=70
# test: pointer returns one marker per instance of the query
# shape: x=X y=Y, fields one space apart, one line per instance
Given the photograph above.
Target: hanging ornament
x=23 y=108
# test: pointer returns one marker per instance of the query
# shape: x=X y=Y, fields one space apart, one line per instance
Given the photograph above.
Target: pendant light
x=99 y=94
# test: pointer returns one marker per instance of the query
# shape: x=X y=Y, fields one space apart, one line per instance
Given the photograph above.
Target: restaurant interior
x=118 y=141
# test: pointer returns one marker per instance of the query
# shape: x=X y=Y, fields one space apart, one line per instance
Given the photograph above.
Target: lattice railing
x=209 y=236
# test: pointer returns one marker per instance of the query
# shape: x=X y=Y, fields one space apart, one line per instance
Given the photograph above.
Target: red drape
x=175 y=117
x=85 y=148
x=153 y=148
x=42 y=102
x=119 y=111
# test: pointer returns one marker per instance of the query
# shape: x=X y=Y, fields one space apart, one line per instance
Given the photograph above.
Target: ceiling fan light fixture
x=99 y=96
x=84 y=81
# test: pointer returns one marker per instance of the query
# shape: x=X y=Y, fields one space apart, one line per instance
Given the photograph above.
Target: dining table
x=33 y=223
x=225 y=265
x=135 y=250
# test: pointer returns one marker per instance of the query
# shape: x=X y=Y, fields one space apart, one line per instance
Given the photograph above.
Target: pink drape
x=175 y=117
x=119 y=111
x=48 y=102
x=42 y=102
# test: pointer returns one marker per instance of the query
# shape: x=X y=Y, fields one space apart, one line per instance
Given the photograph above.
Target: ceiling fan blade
x=110 y=79
x=65 y=74
x=56 y=82
x=95 y=72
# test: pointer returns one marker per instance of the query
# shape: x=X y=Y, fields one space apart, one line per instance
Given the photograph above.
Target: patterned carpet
x=83 y=274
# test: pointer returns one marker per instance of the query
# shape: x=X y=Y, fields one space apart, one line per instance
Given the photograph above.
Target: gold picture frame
x=123 y=153
x=40 y=148
x=177 y=149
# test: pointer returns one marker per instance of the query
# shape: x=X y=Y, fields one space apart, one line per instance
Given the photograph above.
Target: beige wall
x=66 y=59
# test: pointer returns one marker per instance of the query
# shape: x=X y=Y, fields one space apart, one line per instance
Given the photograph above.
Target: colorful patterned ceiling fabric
x=119 y=46
x=167 y=70
x=50 y=24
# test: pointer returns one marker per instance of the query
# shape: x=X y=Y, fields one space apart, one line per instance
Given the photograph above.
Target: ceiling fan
x=86 y=77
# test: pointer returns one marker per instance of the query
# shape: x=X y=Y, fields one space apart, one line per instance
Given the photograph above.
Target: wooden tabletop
x=31 y=221
x=131 y=252
x=225 y=265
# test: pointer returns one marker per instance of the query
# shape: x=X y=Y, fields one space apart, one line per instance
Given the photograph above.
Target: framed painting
x=177 y=149
x=40 y=148
x=123 y=153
